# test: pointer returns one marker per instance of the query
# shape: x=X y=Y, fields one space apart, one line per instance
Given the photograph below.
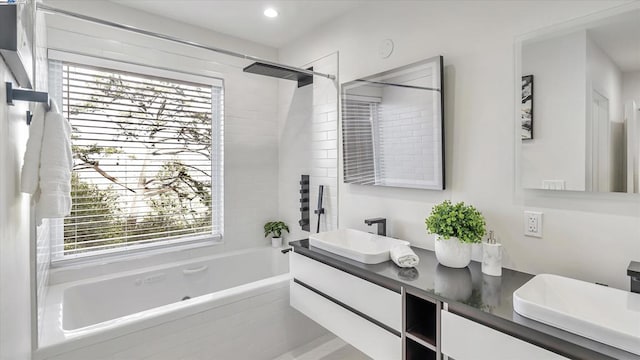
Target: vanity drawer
x=464 y=339
x=368 y=298
x=362 y=334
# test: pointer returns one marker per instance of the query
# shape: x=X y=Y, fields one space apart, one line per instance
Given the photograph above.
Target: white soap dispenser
x=492 y=256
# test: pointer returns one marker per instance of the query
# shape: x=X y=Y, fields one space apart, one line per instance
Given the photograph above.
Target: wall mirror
x=392 y=127
x=579 y=114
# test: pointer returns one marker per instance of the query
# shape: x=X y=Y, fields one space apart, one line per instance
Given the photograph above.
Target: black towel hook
x=27 y=95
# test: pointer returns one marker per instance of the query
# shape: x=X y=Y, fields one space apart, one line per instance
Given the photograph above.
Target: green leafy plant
x=276 y=228
x=459 y=220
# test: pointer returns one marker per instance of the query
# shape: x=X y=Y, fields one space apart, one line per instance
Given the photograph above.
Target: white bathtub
x=229 y=306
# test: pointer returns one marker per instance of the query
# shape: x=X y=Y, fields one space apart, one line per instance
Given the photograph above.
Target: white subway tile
x=319 y=135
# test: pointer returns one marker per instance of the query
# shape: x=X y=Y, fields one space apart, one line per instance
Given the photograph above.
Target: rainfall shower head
x=279 y=72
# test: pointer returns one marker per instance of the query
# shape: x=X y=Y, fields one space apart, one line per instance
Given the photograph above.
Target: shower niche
x=392 y=127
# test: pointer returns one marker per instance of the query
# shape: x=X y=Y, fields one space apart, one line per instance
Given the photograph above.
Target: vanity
x=427 y=312
x=576 y=130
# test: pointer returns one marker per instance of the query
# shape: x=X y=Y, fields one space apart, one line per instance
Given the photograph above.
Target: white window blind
x=147 y=160
x=358 y=140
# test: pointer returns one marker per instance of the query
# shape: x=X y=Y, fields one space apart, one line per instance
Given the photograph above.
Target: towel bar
x=26 y=95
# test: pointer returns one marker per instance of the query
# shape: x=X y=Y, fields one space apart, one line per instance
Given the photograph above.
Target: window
x=359 y=140
x=147 y=159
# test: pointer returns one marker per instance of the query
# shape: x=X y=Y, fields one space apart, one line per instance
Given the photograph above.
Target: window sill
x=140 y=253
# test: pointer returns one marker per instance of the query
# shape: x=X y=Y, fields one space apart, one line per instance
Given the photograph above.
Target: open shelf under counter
x=424 y=341
x=415 y=351
x=421 y=322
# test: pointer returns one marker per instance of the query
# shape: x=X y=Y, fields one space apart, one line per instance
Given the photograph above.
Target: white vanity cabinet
x=463 y=339
x=364 y=314
x=370 y=318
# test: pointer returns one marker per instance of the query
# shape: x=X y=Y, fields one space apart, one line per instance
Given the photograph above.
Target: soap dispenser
x=492 y=256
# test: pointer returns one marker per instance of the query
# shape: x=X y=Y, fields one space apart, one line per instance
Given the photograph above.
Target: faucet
x=382 y=225
x=633 y=271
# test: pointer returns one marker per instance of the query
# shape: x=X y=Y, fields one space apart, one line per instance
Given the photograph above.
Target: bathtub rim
x=96 y=265
x=137 y=270
x=134 y=262
x=68 y=340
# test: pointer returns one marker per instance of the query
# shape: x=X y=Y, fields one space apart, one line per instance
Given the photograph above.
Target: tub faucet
x=382 y=225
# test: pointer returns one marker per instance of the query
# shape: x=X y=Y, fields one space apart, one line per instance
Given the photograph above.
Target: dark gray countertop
x=470 y=293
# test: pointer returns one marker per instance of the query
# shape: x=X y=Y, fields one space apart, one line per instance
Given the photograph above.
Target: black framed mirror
x=393 y=127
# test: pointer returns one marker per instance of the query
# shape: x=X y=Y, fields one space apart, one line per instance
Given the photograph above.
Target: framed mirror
x=579 y=114
x=392 y=127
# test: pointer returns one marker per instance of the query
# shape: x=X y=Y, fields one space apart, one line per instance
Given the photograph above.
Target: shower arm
x=54 y=10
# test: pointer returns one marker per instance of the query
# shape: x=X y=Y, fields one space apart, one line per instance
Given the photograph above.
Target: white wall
x=557 y=150
x=15 y=317
x=250 y=123
x=631 y=86
x=17 y=293
x=43 y=261
x=42 y=234
x=587 y=236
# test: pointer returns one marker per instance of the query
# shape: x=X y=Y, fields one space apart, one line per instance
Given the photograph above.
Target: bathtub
x=228 y=306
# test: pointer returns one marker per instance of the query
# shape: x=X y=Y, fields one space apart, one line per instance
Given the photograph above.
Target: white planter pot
x=276 y=242
x=453 y=253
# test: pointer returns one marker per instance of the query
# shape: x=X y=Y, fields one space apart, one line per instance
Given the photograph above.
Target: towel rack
x=26 y=95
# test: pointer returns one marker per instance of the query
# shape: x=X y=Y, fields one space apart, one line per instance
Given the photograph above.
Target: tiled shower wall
x=324 y=143
x=308 y=132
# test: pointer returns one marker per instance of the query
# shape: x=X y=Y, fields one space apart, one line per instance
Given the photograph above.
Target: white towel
x=403 y=256
x=48 y=161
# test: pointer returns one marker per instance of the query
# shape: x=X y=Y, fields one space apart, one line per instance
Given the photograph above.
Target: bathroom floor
x=328 y=347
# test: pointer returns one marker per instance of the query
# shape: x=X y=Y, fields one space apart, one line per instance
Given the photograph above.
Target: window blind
x=358 y=140
x=147 y=160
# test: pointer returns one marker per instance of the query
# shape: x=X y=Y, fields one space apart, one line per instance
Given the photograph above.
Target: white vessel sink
x=356 y=245
x=607 y=315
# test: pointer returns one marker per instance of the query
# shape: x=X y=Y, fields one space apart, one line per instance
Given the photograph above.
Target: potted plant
x=275 y=228
x=456 y=227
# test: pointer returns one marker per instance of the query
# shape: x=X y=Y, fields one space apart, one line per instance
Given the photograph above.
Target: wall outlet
x=533 y=223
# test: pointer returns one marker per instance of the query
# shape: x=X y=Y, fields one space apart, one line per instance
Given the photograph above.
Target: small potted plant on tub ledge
x=275 y=229
x=456 y=227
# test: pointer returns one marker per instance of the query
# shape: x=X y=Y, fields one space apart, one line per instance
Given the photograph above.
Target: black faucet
x=633 y=271
x=382 y=225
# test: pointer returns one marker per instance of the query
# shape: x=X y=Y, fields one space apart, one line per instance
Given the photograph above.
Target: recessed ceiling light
x=270 y=12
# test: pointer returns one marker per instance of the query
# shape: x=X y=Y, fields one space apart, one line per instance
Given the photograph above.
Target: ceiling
x=619 y=38
x=245 y=19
